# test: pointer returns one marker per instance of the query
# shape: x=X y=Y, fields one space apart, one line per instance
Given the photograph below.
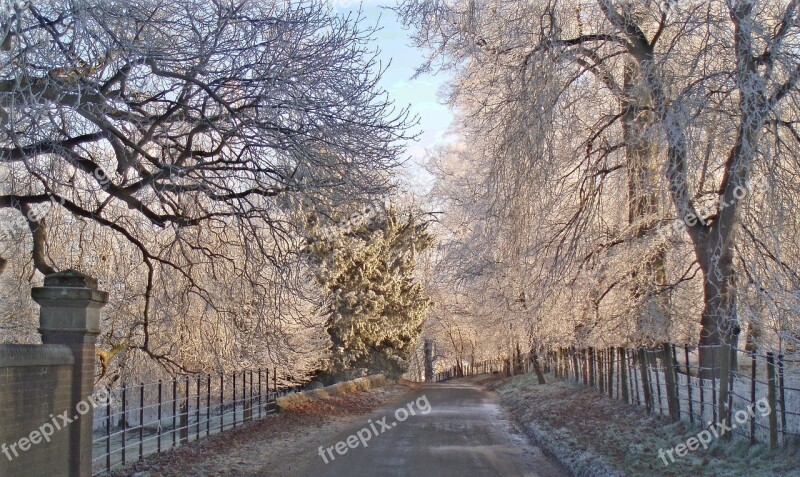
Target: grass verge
x=597 y=436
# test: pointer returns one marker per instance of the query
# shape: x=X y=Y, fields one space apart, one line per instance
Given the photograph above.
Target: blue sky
x=420 y=93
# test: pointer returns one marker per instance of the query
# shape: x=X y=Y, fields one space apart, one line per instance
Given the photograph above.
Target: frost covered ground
x=596 y=436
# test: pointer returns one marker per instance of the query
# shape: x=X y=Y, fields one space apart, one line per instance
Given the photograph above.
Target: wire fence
x=756 y=394
x=155 y=417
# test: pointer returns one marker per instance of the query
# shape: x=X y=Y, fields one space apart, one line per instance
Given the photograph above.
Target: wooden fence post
x=713 y=388
x=623 y=374
x=585 y=366
x=610 y=353
x=671 y=380
x=562 y=368
x=634 y=377
x=648 y=401
x=658 y=384
x=601 y=375
x=725 y=371
x=568 y=360
x=701 y=382
x=557 y=361
x=773 y=416
x=575 y=364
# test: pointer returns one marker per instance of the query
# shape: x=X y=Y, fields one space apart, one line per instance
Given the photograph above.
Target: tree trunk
x=537 y=367
x=428 y=358
x=719 y=334
x=712 y=237
x=641 y=160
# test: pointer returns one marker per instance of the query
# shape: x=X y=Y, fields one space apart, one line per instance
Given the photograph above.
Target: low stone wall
x=35 y=384
x=359 y=384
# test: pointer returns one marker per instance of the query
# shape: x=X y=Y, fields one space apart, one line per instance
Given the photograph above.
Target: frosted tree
x=687 y=101
x=366 y=265
x=191 y=132
x=464 y=272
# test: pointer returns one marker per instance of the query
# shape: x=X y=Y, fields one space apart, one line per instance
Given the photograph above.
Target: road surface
x=444 y=430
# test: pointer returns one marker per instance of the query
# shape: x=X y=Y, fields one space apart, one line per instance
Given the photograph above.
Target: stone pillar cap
x=70 y=279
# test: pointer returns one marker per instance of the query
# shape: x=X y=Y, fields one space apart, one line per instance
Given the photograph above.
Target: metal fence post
x=108 y=431
x=174 y=411
x=610 y=359
x=160 y=385
x=184 y=417
x=782 y=397
x=753 y=360
x=197 y=411
x=141 y=421
x=689 y=383
x=124 y=421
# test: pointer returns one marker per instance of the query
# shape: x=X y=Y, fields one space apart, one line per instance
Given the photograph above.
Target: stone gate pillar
x=70 y=315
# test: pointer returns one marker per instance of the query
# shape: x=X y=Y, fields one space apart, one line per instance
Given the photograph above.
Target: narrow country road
x=451 y=429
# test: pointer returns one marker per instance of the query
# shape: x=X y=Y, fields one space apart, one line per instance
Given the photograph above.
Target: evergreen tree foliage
x=365 y=265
